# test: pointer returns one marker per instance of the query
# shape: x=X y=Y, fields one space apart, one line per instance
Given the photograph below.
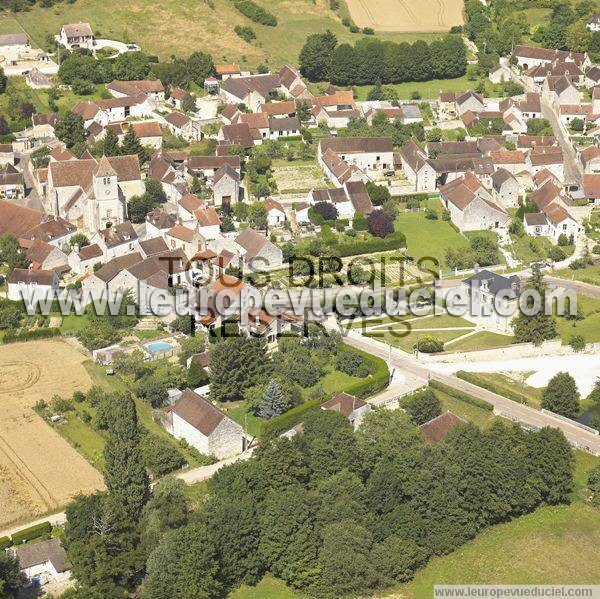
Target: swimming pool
x=157 y=347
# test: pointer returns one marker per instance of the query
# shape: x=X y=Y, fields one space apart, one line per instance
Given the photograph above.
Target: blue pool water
x=158 y=346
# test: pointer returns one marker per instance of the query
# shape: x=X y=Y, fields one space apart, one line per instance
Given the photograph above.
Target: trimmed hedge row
x=33 y=532
x=378 y=381
x=413 y=196
x=289 y=419
x=391 y=242
x=475 y=380
x=452 y=392
x=5 y=543
x=42 y=333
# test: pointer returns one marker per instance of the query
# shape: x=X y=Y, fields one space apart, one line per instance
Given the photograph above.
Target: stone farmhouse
x=205 y=427
x=44 y=558
x=76 y=35
x=352 y=197
x=471 y=206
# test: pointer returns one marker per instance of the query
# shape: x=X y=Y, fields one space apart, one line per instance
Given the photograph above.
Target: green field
x=184 y=27
x=478 y=416
x=407 y=342
x=590 y=274
x=427 y=89
x=588 y=328
x=428 y=238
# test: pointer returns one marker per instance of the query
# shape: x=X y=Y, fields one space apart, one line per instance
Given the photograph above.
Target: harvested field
x=405 y=16
x=39 y=470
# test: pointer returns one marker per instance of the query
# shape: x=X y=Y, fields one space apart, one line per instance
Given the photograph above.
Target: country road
x=508 y=408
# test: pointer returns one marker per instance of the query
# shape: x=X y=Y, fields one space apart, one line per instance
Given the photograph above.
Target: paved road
x=578 y=286
x=515 y=411
x=573 y=169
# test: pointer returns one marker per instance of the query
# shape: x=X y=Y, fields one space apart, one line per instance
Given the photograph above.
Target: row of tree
x=372 y=61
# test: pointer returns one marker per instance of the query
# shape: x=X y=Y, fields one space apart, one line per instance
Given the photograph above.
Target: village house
x=279 y=110
x=590 y=159
x=158 y=222
x=226 y=186
x=257 y=252
x=592 y=77
x=335 y=110
x=471 y=205
x=43 y=125
x=417 y=167
x=114 y=110
x=43 y=256
x=594 y=23
x=186 y=206
x=149 y=133
x=436 y=429
x=469 y=101
x=43 y=559
x=205 y=167
x=529 y=56
x=369 y=154
x=152 y=246
x=353 y=408
x=183 y=126
x=76 y=35
x=238 y=134
x=13 y=46
x=148 y=87
x=547 y=158
x=284 y=127
x=52 y=230
x=225 y=71
x=258 y=123
x=559 y=91
x=82 y=261
x=349 y=199
x=186 y=239
x=205 y=427
x=38 y=80
x=252 y=91
x=208 y=222
x=491 y=296
x=275 y=213
x=12 y=184
x=117 y=240
x=591 y=187
x=7 y=154
x=570 y=112
x=505 y=188
x=292 y=84
x=511 y=160
x=32 y=285
x=499 y=74
x=338 y=171
x=164 y=168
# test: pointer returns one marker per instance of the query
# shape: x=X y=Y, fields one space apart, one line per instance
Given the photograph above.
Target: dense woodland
x=332 y=511
x=372 y=61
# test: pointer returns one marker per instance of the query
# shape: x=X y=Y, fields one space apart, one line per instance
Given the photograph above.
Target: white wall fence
x=509 y=352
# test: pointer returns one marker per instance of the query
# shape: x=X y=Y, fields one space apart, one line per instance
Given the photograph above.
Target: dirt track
x=39 y=470
x=406 y=15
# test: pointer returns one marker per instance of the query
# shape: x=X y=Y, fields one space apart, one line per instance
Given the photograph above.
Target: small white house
x=76 y=35
x=46 y=559
x=205 y=427
x=275 y=213
x=32 y=285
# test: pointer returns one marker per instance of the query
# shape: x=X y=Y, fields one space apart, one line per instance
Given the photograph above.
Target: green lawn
x=478 y=416
x=442 y=321
x=428 y=238
x=590 y=274
x=84 y=438
x=268 y=588
x=408 y=342
x=72 y=324
x=588 y=328
x=427 y=89
x=245 y=418
x=481 y=341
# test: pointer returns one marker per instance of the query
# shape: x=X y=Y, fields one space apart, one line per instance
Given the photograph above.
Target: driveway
x=32 y=198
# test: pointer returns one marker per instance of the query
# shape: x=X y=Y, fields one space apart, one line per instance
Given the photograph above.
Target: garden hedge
x=393 y=241
x=5 y=543
x=452 y=392
x=33 y=532
x=376 y=382
x=289 y=419
x=475 y=380
x=42 y=333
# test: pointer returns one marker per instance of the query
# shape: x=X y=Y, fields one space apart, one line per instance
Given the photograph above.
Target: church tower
x=106 y=207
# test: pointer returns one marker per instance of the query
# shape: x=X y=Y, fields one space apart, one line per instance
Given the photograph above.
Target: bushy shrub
x=577 y=343
x=556 y=254
x=429 y=345
x=37 y=531
x=351 y=363
x=246 y=33
x=255 y=12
